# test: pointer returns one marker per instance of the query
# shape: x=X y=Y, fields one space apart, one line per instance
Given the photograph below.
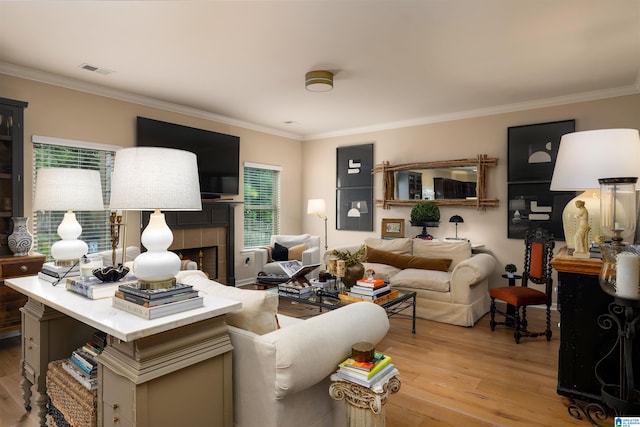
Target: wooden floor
x=451 y=376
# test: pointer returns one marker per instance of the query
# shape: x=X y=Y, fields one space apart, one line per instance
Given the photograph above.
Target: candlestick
x=341 y=266
x=627 y=274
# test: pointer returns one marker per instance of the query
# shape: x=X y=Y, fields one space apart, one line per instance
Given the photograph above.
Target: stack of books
x=55 y=274
x=154 y=303
x=82 y=364
x=369 y=290
x=295 y=288
x=365 y=373
x=94 y=288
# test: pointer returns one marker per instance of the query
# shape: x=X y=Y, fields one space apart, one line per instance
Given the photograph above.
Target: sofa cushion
x=407 y=261
x=280 y=252
x=259 y=308
x=412 y=278
x=295 y=252
x=456 y=251
x=397 y=246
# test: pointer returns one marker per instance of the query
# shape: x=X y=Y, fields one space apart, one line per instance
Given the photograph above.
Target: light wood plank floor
x=451 y=376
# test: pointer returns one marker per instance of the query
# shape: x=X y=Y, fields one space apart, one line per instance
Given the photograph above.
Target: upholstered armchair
x=283 y=247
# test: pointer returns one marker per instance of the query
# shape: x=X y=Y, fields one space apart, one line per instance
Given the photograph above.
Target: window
x=261 y=203
x=62 y=153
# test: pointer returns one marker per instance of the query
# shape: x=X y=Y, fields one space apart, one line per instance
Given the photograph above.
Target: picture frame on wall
x=392 y=228
x=353 y=209
x=533 y=149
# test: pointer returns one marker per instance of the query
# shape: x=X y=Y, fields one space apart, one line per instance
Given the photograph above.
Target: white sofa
x=308 y=252
x=455 y=292
x=281 y=375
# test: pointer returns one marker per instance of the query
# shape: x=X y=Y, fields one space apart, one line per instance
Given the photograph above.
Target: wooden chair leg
x=525 y=323
x=492 y=310
x=516 y=333
x=548 y=332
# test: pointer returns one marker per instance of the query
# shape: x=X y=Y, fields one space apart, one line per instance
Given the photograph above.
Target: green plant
x=425 y=212
x=350 y=258
x=510 y=268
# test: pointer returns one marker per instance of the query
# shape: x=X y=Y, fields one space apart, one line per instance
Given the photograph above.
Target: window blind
x=261 y=204
x=53 y=152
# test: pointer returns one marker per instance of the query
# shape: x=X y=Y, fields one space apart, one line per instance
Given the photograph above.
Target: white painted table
x=147 y=364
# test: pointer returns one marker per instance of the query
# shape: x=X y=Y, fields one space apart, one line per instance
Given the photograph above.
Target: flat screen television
x=218 y=154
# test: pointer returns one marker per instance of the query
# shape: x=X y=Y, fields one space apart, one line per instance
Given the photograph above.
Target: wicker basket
x=70 y=398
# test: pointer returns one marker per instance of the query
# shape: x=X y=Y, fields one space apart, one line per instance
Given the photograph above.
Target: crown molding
x=95 y=89
x=510 y=108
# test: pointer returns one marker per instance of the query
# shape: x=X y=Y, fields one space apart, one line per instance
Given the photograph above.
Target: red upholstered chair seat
x=519 y=296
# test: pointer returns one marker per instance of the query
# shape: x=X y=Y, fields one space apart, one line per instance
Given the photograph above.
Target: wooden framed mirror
x=461 y=182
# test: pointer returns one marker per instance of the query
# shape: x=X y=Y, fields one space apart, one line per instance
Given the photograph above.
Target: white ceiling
x=396 y=63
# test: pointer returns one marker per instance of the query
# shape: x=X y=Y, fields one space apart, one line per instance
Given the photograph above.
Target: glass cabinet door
x=11 y=167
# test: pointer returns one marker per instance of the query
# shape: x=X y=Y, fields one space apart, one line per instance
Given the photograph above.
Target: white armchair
x=310 y=252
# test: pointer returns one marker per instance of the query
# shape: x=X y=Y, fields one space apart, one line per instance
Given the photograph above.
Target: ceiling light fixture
x=318 y=81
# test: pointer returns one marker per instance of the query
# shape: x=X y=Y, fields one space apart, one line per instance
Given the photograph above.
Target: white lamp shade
x=61 y=189
x=317 y=207
x=150 y=178
x=584 y=157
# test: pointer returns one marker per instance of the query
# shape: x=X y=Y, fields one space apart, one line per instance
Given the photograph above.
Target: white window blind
x=59 y=153
x=261 y=203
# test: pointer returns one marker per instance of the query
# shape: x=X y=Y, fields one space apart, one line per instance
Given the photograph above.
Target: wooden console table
x=175 y=370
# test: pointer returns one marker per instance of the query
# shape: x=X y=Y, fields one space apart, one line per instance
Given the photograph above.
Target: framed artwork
x=533 y=205
x=353 y=209
x=532 y=153
x=533 y=149
x=354 y=166
x=392 y=228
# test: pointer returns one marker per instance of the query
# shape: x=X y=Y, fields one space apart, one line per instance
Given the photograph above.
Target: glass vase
x=620 y=272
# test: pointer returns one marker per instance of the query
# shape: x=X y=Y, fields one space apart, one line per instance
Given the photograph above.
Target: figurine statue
x=582 y=233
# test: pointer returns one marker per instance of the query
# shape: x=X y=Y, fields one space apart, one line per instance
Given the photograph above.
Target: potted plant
x=425 y=214
x=354 y=270
x=510 y=269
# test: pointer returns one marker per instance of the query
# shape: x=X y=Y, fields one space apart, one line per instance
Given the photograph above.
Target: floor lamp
x=319 y=207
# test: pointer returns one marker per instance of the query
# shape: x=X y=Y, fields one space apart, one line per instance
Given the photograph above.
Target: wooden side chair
x=539 y=246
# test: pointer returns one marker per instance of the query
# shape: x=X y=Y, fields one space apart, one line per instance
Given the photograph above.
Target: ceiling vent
x=93 y=68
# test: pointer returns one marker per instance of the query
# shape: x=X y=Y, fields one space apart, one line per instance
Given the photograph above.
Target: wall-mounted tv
x=218 y=154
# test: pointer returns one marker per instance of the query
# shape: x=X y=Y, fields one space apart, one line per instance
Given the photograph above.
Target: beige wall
x=453 y=140
x=62 y=113
x=309 y=167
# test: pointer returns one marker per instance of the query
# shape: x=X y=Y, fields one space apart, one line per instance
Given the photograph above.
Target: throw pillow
x=280 y=253
x=295 y=252
x=406 y=261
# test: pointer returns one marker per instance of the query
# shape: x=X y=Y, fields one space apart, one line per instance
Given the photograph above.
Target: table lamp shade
x=61 y=189
x=584 y=157
x=66 y=189
x=149 y=178
x=154 y=178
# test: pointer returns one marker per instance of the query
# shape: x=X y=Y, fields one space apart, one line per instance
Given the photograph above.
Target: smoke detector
x=95 y=69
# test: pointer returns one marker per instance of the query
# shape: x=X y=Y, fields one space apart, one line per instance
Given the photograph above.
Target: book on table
x=94 y=288
x=150 y=294
x=365 y=370
x=373 y=284
x=393 y=293
x=297 y=283
x=366 y=382
x=368 y=297
x=370 y=291
x=159 y=310
x=157 y=301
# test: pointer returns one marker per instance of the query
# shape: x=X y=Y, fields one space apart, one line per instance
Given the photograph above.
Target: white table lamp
x=155 y=179
x=584 y=158
x=319 y=207
x=66 y=189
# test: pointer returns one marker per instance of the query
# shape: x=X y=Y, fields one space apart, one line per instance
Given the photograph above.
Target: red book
x=376 y=283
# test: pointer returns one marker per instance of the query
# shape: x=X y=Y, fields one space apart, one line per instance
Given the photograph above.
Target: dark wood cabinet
x=582 y=341
x=11 y=301
x=11 y=167
x=409 y=185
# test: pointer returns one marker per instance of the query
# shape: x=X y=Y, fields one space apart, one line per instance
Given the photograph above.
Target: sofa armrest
x=470 y=274
x=260 y=258
x=308 y=352
x=311 y=256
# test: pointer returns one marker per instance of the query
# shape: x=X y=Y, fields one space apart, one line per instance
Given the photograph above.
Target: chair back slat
x=539 y=245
